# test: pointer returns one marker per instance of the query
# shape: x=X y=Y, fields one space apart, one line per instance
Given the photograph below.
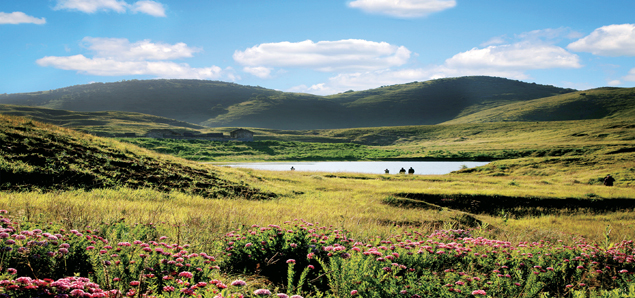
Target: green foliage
x=202 y=150
x=442 y=264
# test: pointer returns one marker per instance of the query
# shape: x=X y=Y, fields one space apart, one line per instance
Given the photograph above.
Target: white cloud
x=111 y=67
x=327 y=56
x=149 y=7
x=19 y=17
x=119 y=57
x=614 y=83
x=366 y=80
x=518 y=56
x=612 y=40
x=259 y=71
x=549 y=34
x=532 y=51
x=91 y=6
x=122 y=49
x=403 y=8
x=374 y=79
x=494 y=41
x=631 y=76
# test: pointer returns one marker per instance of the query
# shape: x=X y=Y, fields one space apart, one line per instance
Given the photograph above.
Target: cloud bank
x=119 y=57
x=402 y=8
x=19 y=17
x=152 y=8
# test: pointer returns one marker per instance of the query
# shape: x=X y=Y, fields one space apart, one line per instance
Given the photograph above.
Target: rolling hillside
x=36 y=156
x=221 y=104
x=597 y=103
x=107 y=123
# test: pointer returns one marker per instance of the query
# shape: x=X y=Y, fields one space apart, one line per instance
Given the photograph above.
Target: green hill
x=46 y=157
x=107 y=123
x=430 y=102
x=218 y=104
x=598 y=103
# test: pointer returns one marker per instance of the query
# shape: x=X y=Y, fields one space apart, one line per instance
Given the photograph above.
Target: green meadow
x=141 y=217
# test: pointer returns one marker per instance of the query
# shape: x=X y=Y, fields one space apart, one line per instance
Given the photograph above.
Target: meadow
x=321 y=234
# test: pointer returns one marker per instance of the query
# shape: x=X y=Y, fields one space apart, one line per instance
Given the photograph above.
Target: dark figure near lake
x=292 y=169
x=387 y=172
x=411 y=171
x=608 y=180
x=402 y=171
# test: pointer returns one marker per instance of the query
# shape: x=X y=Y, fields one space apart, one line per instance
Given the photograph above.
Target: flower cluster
x=65 y=287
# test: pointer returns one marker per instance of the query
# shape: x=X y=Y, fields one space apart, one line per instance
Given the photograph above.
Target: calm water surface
x=366 y=167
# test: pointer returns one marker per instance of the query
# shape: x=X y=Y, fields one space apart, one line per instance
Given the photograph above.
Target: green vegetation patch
x=37 y=156
x=202 y=150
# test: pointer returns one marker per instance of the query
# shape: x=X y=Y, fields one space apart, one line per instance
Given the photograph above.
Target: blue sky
x=320 y=47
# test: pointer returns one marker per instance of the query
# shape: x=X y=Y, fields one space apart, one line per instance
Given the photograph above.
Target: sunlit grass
x=353 y=202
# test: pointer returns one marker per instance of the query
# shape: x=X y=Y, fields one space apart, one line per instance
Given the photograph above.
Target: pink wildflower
x=262 y=292
x=478 y=292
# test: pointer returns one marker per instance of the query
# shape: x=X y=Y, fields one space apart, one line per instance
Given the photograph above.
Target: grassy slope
x=107 y=123
x=590 y=104
x=40 y=156
x=226 y=104
x=429 y=102
x=193 y=101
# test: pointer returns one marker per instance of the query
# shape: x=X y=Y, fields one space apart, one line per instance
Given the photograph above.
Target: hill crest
x=221 y=104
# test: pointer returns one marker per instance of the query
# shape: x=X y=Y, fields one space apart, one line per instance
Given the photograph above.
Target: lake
x=366 y=167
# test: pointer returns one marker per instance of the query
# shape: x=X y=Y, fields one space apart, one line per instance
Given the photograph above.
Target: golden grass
x=353 y=203
x=349 y=201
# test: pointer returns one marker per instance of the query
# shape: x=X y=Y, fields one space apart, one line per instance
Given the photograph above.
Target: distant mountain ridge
x=222 y=104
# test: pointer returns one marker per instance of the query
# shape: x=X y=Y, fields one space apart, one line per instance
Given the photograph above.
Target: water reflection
x=366 y=167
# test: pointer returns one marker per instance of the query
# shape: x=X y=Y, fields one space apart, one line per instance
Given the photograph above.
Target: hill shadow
x=496 y=205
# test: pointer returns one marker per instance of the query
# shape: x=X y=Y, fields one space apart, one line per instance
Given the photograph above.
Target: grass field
x=537 y=224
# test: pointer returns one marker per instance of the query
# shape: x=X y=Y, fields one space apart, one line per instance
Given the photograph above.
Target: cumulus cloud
x=326 y=56
x=612 y=40
x=614 y=83
x=119 y=57
x=532 y=50
x=91 y=6
x=403 y=8
x=373 y=79
x=149 y=7
x=122 y=49
x=518 y=56
x=259 y=71
x=19 y=17
x=111 y=67
x=631 y=76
